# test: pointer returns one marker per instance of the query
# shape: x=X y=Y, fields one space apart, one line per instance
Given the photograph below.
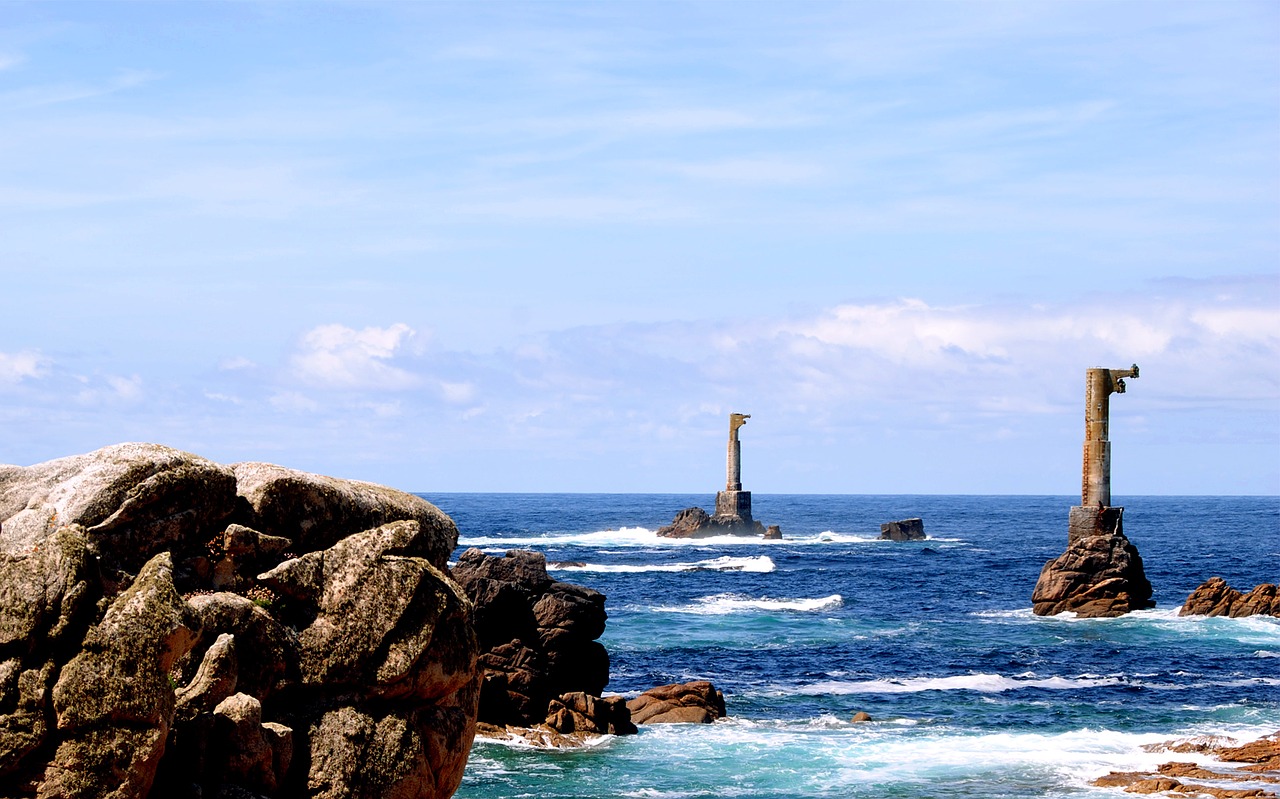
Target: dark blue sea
x=971 y=694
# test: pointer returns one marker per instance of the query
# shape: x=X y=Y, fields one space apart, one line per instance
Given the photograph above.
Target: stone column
x=733 y=480
x=733 y=505
x=1094 y=515
x=1101 y=572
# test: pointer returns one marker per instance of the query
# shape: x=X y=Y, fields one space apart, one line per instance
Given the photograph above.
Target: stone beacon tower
x=1100 y=573
x=733 y=502
x=1094 y=515
x=733 y=505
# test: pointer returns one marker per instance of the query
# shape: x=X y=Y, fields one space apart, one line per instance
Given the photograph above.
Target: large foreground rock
x=1215 y=598
x=350 y=671
x=1098 y=575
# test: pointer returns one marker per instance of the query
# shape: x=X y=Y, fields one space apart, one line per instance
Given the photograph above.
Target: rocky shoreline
x=170 y=626
x=1254 y=762
x=174 y=627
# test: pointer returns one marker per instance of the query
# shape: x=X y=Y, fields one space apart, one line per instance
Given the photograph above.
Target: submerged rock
x=1215 y=598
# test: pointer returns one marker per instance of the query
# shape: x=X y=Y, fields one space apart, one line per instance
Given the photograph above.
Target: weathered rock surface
x=315 y=512
x=1099 y=575
x=349 y=671
x=697 y=523
x=696 y=702
x=538 y=635
x=113 y=700
x=1215 y=598
x=583 y=712
x=133 y=501
x=904 y=530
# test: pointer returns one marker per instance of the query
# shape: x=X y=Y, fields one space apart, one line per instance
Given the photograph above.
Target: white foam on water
x=981 y=683
x=1263 y=653
x=723 y=604
x=761 y=564
x=645 y=537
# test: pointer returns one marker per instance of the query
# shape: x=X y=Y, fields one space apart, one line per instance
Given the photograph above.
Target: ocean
x=971 y=695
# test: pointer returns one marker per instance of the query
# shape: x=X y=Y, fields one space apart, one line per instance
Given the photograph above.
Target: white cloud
x=18 y=366
x=336 y=356
x=457 y=392
x=127 y=388
x=293 y=402
x=235 y=364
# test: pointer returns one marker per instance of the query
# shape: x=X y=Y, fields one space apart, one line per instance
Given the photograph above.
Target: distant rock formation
x=1215 y=598
x=1101 y=572
x=904 y=530
x=697 y=702
x=697 y=523
x=733 y=505
x=1097 y=575
x=346 y=670
x=542 y=663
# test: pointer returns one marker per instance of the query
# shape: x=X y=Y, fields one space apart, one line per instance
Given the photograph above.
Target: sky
x=550 y=246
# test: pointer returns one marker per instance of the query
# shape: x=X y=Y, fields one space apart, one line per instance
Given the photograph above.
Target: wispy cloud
x=336 y=356
x=18 y=366
x=56 y=94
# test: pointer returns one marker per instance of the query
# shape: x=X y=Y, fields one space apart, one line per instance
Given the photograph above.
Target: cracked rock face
x=159 y=637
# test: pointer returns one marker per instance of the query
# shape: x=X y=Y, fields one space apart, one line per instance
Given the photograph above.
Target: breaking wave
x=723 y=604
x=760 y=564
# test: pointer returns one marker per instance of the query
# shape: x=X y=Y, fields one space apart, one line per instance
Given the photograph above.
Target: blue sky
x=550 y=246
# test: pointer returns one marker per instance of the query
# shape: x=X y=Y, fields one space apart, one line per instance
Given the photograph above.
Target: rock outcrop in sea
x=697 y=523
x=174 y=627
x=696 y=702
x=903 y=530
x=542 y=663
x=1215 y=598
x=1254 y=762
x=1098 y=575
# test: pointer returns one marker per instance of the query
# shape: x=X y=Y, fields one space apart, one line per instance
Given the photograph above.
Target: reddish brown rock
x=696 y=702
x=1096 y=576
x=1263 y=755
x=582 y=712
x=1215 y=598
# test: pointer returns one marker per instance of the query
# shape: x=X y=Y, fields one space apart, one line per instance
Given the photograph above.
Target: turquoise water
x=972 y=695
